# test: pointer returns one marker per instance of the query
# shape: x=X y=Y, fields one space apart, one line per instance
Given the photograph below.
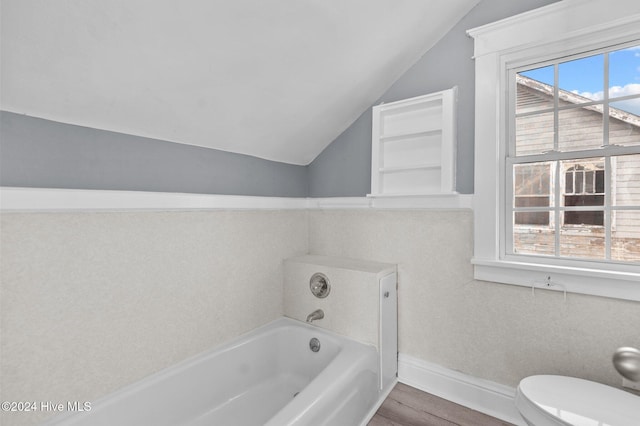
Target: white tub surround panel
x=351 y=308
x=361 y=304
x=108 y=298
x=491 y=331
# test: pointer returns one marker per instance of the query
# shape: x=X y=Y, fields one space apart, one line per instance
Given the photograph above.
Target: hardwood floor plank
x=407 y=406
x=410 y=416
x=379 y=420
x=443 y=408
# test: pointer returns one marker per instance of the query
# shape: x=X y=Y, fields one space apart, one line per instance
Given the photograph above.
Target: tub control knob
x=319 y=285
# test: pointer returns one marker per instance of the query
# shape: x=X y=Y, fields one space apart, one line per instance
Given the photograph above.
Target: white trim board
x=431 y=202
x=14 y=199
x=48 y=199
x=481 y=395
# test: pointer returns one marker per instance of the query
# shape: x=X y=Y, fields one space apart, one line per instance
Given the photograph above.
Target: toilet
x=558 y=400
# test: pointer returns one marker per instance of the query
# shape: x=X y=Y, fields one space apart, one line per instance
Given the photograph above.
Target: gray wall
x=344 y=167
x=42 y=153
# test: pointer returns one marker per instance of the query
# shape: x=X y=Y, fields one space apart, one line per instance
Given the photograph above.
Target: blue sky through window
x=585 y=77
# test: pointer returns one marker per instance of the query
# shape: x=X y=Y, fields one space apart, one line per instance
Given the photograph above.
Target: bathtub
x=269 y=376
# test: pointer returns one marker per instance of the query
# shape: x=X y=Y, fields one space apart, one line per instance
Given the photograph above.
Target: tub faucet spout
x=315 y=315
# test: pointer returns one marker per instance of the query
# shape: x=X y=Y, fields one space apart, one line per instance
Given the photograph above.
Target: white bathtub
x=268 y=376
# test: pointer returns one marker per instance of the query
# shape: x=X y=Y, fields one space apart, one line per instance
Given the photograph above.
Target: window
x=557 y=156
x=563 y=113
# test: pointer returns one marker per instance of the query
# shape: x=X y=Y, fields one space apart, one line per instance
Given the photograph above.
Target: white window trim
x=556 y=30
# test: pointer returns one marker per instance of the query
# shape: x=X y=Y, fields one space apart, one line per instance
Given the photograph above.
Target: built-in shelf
x=413 y=146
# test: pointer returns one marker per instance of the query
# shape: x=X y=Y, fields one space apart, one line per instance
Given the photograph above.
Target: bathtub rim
x=345 y=343
x=382 y=395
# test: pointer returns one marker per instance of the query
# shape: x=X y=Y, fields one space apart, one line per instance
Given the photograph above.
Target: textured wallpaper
x=94 y=301
x=492 y=331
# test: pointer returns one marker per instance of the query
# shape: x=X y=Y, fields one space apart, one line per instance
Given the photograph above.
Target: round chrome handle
x=319 y=285
x=627 y=361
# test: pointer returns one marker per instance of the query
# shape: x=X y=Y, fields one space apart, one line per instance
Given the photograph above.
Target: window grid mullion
x=575 y=208
x=611 y=150
x=605 y=105
x=556 y=182
x=509 y=211
x=509 y=216
x=556 y=101
x=607 y=162
x=607 y=208
x=556 y=208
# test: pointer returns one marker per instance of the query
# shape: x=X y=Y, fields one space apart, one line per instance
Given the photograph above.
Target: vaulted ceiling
x=277 y=79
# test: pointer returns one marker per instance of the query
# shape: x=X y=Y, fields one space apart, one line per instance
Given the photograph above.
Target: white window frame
x=560 y=29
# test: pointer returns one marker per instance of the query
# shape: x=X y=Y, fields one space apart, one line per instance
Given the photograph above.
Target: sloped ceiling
x=277 y=79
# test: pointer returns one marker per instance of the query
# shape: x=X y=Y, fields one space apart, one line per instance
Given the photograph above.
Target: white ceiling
x=277 y=79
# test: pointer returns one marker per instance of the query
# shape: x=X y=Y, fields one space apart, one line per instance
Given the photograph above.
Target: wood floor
x=407 y=406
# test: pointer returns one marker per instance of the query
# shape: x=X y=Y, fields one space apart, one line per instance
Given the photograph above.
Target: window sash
x=555 y=60
x=555 y=156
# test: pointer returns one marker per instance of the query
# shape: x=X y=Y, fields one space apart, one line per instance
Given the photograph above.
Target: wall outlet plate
x=631 y=385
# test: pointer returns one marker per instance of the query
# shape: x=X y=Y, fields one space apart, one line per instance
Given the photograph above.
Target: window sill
x=595 y=282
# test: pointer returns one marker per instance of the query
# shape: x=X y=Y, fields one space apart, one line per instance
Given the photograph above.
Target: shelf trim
x=414 y=194
x=423 y=166
x=409 y=102
x=405 y=135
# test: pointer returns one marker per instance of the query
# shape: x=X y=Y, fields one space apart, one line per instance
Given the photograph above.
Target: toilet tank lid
x=581 y=402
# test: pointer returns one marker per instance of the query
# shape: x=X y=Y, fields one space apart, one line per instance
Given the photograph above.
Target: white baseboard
x=481 y=395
